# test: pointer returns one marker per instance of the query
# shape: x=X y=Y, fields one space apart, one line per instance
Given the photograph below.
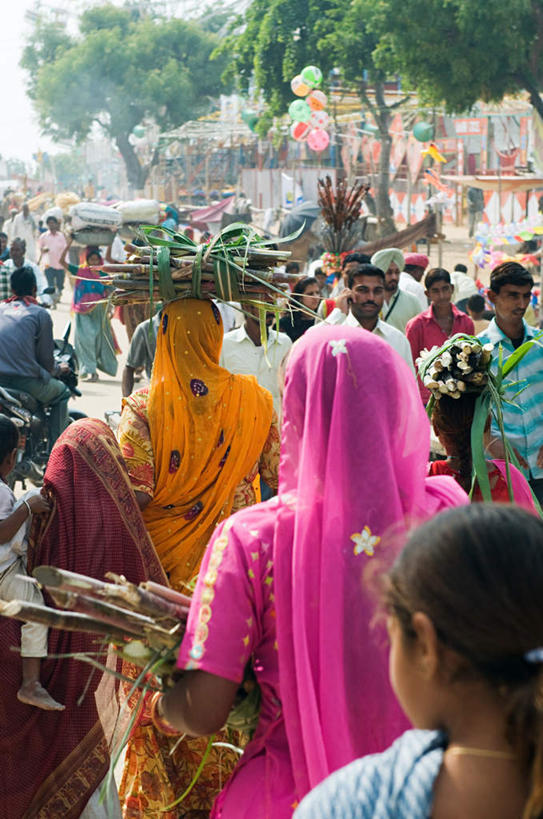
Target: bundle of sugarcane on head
x=341 y=213
x=237 y=265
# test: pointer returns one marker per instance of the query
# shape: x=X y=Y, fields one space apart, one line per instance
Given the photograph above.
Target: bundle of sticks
x=341 y=213
x=237 y=265
x=145 y=623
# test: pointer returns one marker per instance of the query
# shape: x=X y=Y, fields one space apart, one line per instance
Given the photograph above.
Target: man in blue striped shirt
x=510 y=290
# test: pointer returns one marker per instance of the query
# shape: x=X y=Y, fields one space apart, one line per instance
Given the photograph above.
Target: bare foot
x=33 y=693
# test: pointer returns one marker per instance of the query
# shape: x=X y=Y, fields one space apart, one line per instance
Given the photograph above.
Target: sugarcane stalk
x=63 y=620
x=101 y=610
x=54 y=577
x=145 y=602
x=167 y=593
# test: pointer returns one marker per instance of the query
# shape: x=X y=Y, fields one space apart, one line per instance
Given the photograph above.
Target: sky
x=20 y=134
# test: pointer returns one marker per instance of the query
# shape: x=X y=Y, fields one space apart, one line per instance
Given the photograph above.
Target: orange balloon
x=299 y=87
x=317 y=100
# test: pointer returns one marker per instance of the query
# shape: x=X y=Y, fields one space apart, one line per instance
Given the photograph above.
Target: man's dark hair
x=476 y=303
x=365 y=270
x=361 y=258
x=3 y=235
x=462 y=268
x=510 y=273
x=436 y=274
x=23 y=281
x=319 y=272
x=292 y=267
x=9 y=436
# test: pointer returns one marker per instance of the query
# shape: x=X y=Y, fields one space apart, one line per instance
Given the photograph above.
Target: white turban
x=383 y=258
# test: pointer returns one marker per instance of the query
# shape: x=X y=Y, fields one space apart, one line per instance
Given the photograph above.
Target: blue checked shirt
x=397 y=784
x=523 y=423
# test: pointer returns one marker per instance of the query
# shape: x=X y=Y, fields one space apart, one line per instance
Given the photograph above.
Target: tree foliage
x=460 y=51
x=120 y=70
x=275 y=40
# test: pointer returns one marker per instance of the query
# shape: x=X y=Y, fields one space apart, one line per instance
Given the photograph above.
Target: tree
x=122 y=69
x=460 y=51
x=273 y=41
x=354 y=43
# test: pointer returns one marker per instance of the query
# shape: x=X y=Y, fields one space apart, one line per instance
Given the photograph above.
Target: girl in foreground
x=466 y=663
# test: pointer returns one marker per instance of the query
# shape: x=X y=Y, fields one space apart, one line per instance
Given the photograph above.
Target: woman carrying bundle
x=281 y=583
x=53 y=763
x=194 y=443
x=457 y=375
x=95 y=344
x=466 y=664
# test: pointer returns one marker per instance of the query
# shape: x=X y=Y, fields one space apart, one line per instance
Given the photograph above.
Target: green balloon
x=299 y=111
x=139 y=131
x=250 y=118
x=423 y=131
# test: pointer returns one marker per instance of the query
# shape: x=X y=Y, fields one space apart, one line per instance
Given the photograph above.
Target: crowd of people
x=323 y=419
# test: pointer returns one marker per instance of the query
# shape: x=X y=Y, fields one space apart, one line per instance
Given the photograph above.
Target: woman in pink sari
x=281 y=583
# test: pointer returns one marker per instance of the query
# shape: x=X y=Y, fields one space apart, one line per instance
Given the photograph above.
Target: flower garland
x=462 y=365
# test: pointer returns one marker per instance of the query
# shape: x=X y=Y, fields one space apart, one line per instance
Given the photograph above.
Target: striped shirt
x=523 y=423
x=397 y=784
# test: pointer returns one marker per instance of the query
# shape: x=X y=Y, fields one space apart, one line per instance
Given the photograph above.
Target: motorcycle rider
x=26 y=351
x=17 y=252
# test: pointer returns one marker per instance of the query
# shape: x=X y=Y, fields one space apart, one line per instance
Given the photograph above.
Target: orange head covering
x=207 y=427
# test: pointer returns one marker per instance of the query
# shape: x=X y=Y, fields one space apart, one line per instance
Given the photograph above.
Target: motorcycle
x=31 y=418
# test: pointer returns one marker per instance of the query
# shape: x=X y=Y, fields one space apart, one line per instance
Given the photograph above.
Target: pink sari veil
x=355 y=444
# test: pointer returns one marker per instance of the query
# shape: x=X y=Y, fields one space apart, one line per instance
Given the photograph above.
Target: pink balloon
x=319 y=119
x=318 y=139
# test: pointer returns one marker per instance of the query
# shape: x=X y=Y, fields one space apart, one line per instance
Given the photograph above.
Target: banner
x=291 y=194
x=470 y=126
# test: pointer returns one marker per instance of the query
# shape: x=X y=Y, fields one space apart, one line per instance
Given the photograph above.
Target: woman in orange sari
x=193 y=442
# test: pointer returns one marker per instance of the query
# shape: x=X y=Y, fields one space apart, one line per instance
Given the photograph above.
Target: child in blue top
x=465 y=618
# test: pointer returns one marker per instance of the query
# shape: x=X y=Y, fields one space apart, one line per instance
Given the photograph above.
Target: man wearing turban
x=411 y=278
x=399 y=305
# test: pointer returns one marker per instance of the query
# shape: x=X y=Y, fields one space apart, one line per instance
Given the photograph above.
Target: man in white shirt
x=464 y=287
x=9 y=225
x=243 y=354
x=18 y=257
x=24 y=227
x=399 y=305
x=411 y=277
x=359 y=305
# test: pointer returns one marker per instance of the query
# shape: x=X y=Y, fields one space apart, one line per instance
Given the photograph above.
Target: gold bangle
x=158 y=721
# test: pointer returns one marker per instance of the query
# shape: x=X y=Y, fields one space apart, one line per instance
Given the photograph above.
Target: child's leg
x=33 y=648
x=33 y=639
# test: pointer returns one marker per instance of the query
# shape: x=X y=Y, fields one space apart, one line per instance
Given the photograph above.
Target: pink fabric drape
x=355 y=445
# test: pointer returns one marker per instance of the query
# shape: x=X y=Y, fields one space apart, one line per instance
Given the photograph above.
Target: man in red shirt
x=439 y=322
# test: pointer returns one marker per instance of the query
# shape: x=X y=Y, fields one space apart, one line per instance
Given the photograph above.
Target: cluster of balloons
x=309 y=119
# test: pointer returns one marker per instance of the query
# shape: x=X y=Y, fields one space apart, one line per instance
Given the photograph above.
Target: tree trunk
x=135 y=172
x=385 y=213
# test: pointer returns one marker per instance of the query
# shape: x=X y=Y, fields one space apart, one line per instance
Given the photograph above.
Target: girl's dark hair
x=301 y=286
x=477 y=573
x=9 y=436
x=452 y=419
x=436 y=274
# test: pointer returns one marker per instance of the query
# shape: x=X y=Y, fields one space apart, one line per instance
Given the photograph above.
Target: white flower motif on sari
x=338 y=346
x=365 y=542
